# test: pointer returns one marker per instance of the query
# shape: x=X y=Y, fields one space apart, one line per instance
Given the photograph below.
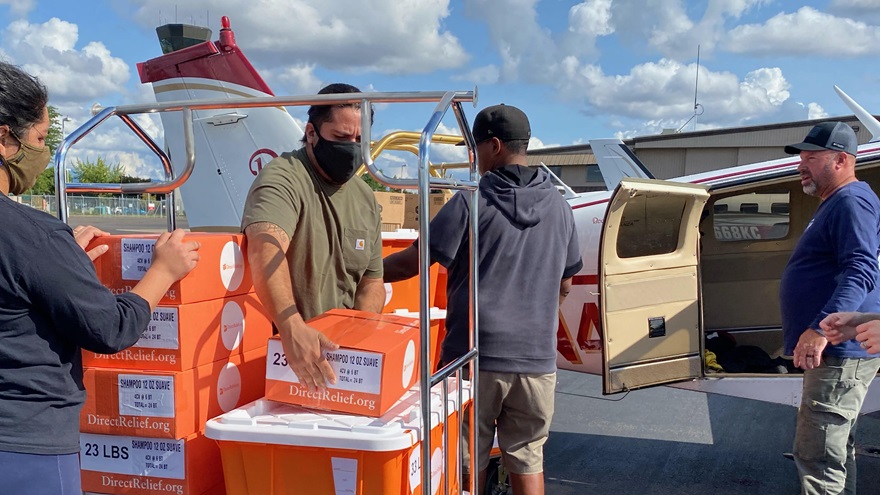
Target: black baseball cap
x=505 y=122
x=835 y=136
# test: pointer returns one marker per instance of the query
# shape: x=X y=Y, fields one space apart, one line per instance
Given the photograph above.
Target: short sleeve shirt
x=334 y=231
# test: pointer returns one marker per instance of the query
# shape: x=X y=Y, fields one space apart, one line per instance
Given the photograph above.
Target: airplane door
x=649 y=288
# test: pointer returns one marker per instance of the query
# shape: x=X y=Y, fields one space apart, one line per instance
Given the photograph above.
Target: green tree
x=98 y=172
x=375 y=185
x=372 y=182
x=54 y=137
x=45 y=183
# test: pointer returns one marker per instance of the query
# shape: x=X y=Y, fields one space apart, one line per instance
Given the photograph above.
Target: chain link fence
x=95 y=205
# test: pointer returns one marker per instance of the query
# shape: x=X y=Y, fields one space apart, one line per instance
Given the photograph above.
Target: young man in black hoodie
x=528 y=252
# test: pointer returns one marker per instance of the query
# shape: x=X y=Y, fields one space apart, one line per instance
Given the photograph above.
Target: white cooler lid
x=271 y=422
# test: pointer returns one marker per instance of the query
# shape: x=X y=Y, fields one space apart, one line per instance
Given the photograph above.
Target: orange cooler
x=375 y=365
x=168 y=404
x=222 y=270
x=191 y=335
x=269 y=448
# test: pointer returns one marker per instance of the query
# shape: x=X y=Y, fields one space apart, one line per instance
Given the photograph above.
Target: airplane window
x=751 y=217
x=650 y=226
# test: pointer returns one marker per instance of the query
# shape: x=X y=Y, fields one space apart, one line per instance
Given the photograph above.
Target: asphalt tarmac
x=655 y=441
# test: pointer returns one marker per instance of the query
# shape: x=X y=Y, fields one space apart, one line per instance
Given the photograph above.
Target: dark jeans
x=35 y=474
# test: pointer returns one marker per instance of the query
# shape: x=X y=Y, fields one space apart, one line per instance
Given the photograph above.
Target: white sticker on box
x=409 y=364
x=137 y=255
x=231 y=325
x=163 y=331
x=144 y=395
x=356 y=371
x=132 y=456
x=344 y=475
x=228 y=387
x=389 y=293
x=415 y=468
x=231 y=266
x=436 y=470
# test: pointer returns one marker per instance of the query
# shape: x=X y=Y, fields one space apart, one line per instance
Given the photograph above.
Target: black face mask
x=338 y=159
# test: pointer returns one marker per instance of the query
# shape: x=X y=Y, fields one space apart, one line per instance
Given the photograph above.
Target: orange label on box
x=375 y=364
x=138 y=465
x=222 y=270
x=190 y=335
x=168 y=404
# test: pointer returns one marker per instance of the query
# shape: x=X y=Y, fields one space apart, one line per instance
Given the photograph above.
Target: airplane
x=667 y=264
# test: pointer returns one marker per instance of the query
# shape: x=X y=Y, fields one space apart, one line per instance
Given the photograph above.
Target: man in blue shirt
x=833 y=269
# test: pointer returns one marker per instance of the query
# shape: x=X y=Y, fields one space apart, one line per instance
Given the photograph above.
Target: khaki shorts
x=520 y=407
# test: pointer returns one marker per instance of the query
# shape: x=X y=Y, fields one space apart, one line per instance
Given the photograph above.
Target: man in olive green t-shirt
x=313 y=236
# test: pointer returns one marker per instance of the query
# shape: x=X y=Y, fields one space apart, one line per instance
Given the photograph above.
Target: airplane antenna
x=698 y=109
x=863 y=115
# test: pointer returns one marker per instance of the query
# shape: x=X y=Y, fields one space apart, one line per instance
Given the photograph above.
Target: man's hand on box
x=304 y=347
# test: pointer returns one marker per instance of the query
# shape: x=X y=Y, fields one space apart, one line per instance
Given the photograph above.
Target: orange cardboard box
x=222 y=270
x=190 y=335
x=167 y=404
x=404 y=295
x=438 y=331
x=146 y=466
x=374 y=365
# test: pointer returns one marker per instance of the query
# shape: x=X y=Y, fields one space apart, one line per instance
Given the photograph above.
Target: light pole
x=63 y=120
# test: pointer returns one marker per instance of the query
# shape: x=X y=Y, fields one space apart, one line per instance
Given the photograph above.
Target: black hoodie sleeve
x=448 y=230
x=64 y=287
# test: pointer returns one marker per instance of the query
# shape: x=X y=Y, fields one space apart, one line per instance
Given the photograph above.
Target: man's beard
x=810 y=189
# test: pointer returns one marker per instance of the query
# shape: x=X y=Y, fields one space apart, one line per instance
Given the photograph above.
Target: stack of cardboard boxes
x=401 y=210
x=391 y=207
x=435 y=202
x=202 y=355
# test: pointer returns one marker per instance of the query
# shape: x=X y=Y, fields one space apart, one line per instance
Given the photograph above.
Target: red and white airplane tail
x=235 y=142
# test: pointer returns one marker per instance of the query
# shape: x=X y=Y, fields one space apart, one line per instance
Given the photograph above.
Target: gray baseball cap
x=835 y=136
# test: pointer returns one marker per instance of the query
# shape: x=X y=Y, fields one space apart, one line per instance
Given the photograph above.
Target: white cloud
x=855 y=6
x=488 y=74
x=383 y=35
x=660 y=94
x=525 y=47
x=19 y=7
x=806 y=32
x=815 y=111
x=296 y=79
x=48 y=51
x=536 y=144
x=670 y=31
x=591 y=18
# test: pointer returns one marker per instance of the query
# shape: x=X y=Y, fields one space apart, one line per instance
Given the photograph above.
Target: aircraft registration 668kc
x=666 y=263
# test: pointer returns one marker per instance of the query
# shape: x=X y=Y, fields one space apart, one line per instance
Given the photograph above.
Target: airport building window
x=650 y=226
x=594 y=174
x=751 y=217
x=556 y=169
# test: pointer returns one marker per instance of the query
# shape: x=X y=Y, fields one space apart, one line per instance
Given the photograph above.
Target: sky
x=580 y=70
